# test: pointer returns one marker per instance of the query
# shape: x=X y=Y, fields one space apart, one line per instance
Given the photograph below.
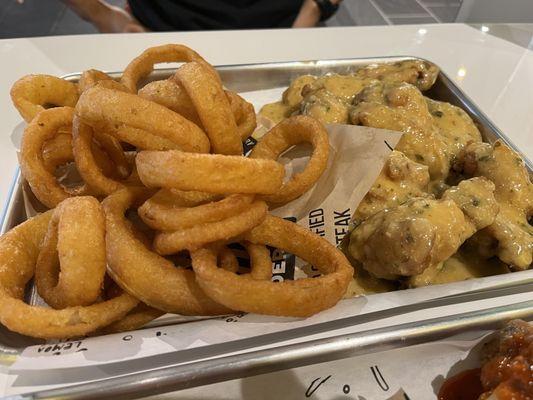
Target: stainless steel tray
x=251 y=77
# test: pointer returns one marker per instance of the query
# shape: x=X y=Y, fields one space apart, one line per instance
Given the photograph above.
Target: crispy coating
x=212 y=173
x=139 y=271
x=141 y=66
x=202 y=234
x=19 y=249
x=407 y=239
x=138 y=121
x=212 y=106
x=43 y=183
x=71 y=265
x=299 y=298
x=32 y=94
x=170 y=94
x=290 y=132
x=164 y=211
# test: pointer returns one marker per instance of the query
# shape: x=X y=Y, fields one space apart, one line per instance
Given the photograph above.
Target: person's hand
x=115 y=19
x=309 y=14
x=105 y=17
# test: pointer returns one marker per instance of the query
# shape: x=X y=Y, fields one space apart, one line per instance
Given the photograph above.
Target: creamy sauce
x=441 y=146
x=514 y=193
x=415 y=237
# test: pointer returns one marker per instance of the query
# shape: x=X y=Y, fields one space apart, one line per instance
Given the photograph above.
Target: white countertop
x=495 y=73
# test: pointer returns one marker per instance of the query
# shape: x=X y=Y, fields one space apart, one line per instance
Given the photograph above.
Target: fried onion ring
x=212 y=107
x=199 y=235
x=299 y=298
x=287 y=133
x=135 y=319
x=75 y=245
x=32 y=94
x=19 y=249
x=244 y=114
x=212 y=173
x=164 y=212
x=86 y=163
x=137 y=121
x=43 y=183
x=227 y=259
x=90 y=78
x=172 y=96
x=57 y=151
x=168 y=288
x=141 y=66
x=260 y=261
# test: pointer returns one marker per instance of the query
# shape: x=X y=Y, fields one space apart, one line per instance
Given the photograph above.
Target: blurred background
x=52 y=17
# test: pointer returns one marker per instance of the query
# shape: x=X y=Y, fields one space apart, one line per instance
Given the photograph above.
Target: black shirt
x=183 y=15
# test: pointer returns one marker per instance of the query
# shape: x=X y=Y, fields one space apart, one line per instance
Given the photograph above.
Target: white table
x=496 y=74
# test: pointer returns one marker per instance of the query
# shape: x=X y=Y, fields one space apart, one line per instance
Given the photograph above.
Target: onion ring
x=90 y=78
x=171 y=95
x=199 y=235
x=57 y=151
x=168 y=288
x=88 y=168
x=286 y=134
x=162 y=212
x=300 y=298
x=227 y=259
x=117 y=113
x=141 y=66
x=43 y=183
x=244 y=114
x=75 y=238
x=135 y=319
x=212 y=107
x=19 y=249
x=32 y=94
x=211 y=173
x=260 y=261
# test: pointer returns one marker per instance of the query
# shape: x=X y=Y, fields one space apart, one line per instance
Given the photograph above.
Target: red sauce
x=463 y=386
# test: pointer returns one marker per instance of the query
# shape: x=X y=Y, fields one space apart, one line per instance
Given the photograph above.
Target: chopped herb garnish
x=437 y=113
x=419 y=157
x=476 y=202
x=484 y=158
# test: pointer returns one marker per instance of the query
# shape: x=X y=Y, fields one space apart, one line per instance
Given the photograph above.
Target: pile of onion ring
x=163 y=190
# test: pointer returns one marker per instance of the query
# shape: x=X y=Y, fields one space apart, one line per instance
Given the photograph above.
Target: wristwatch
x=327 y=9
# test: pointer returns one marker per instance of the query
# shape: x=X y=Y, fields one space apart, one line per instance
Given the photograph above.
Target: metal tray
x=250 y=77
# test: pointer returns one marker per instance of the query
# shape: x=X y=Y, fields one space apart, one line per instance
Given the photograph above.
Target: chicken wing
x=510 y=237
x=399 y=180
x=423 y=232
x=401 y=107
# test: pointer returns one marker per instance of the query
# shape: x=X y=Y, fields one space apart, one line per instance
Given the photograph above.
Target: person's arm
x=106 y=18
x=309 y=14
